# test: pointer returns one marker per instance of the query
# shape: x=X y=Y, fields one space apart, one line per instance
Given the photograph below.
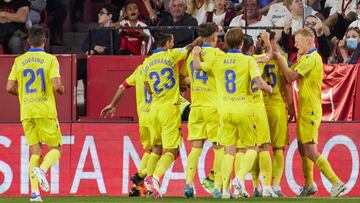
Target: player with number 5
x=34 y=77
x=234 y=72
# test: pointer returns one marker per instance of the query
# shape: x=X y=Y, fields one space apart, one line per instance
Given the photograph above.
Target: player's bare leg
x=324 y=166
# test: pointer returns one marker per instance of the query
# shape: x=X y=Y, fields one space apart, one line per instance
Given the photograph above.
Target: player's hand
x=108 y=110
x=196 y=50
x=263 y=59
x=265 y=36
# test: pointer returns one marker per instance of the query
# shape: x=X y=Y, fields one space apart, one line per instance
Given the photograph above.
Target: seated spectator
x=199 y=8
x=100 y=39
x=13 y=14
x=146 y=13
x=178 y=17
x=252 y=19
x=350 y=46
x=132 y=39
x=220 y=16
x=34 y=16
x=356 y=23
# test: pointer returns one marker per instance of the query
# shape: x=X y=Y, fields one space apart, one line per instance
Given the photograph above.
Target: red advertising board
x=99 y=158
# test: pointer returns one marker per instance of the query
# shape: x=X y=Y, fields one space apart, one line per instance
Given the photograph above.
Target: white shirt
x=200 y=13
x=355 y=23
x=254 y=33
x=278 y=13
x=219 y=20
x=336 y=6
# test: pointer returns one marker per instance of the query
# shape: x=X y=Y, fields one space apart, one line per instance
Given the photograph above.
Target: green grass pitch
x=178 y=199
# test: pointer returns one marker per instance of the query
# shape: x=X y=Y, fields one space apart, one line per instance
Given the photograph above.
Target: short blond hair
x=234 y=38
x=306 y=32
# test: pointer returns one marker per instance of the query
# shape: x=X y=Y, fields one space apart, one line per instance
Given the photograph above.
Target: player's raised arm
x=260 y=83
x=290 y=75
x=58 y=86
x=11 y=87
x=197 y=58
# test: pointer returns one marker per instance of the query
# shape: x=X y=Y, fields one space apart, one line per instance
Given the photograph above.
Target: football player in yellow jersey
x=203 y=118
x=162 y=81
x=234 y=72
x=263 y=161
x=308 y=71
x=276 y=104
x=143 y=100
x=33 y=78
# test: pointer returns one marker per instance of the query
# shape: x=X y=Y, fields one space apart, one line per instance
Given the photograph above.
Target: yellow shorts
x=262 y=125
x=240 y=144
x=166 y=121
x=277 y=117
x=307 y=127
x=236 y=126
x=203 y=123
x=42 y=130
x=146 y=131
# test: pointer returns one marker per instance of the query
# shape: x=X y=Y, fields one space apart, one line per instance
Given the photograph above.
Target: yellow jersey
x=310 y=67
x=203 y=85
x=143 y=97
x=33 y=72
x=233 y=72
x=273 y=77
x=162 y=74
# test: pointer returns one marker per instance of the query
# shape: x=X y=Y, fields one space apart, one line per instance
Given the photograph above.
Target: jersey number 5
x=33 y=77
x=269 y=75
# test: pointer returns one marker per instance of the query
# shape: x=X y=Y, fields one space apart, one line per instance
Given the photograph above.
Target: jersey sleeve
x=131 y=80
x=54 y=68
x=253 y=69
x=305 y=66
x=179 y=53
x=12 y=75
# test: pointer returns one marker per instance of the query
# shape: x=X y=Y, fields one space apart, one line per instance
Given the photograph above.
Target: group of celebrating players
x=240 y=101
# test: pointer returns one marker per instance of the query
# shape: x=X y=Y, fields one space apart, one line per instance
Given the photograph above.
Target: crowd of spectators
x=336 y=23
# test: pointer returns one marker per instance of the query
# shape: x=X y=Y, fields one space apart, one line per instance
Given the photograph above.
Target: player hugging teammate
x=240 y=101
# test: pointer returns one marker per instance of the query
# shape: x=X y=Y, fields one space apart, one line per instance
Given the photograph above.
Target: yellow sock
x=151 y=164
x=143 y=164
x=326 y=169
x=246 y=164
x=308 y=170
x=191 y=164
x=278 y=166
x=163 y=164
x=226 y=170
x=255 y=172
x=34 y=162
x=265 y=167
x=218 y=159
x=50 y=158
x=238 y=157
